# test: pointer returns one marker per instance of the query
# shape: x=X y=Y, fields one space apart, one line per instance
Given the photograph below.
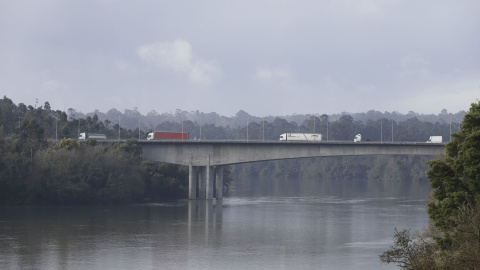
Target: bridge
x=206 y=159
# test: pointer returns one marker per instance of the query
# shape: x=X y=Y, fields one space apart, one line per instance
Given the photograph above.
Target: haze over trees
x=42 y=162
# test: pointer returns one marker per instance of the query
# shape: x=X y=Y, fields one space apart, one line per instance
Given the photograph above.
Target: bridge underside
x=205 y=158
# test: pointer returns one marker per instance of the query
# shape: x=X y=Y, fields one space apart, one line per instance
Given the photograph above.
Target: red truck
x=165 y=135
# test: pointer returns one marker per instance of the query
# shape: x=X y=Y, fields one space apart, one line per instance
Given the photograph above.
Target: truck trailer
x=435 y=139
x=165 y=135
x=84 y=136
x=301 y=137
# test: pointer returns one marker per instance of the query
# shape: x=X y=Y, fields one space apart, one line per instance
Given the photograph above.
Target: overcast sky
x=264 y=57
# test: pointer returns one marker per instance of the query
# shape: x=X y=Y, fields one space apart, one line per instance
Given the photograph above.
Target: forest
x=42 y=162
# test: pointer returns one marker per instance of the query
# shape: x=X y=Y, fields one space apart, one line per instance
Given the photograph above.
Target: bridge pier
x=202 y=182
x=219 y=181
x=192 y=181
x=208 y=180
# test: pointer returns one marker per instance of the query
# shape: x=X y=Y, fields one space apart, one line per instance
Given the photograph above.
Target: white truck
x=311 y=137
x=84 y=136
x=435 y=139
x=358 y=138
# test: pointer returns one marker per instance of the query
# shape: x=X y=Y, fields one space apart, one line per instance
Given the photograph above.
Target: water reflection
x=206 y=214
x=320 y=226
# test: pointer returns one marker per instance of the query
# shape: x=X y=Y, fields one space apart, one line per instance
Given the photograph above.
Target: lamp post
x=263 y=129
x=450 y=139
x=247 y=130
x=381 y=130
x=314 y=123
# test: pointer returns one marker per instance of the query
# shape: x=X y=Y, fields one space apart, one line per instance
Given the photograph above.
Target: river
x=261 y=225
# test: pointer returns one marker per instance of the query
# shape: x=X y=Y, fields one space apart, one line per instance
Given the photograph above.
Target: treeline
x=58 y=124
x=131 y=119
x=34 y=170
x=29 y=136
x=343 y=129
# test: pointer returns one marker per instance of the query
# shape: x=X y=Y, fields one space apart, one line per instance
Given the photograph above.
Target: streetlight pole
x=263 y=129
x=450 y=130
x=381 y=130
x=247 y=130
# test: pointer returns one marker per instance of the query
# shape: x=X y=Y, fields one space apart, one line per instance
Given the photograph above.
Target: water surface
x=311 y=226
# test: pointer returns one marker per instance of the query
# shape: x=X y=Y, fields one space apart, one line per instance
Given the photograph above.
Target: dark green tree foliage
x=31 y=137
x=166 y=181
x=454 y=209
x=73 y=172
x=455 y=179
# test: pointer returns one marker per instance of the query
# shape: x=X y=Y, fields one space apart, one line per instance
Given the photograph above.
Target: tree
x=454 y=209
x=455 y=178
x=408 y=254
x=31 y=136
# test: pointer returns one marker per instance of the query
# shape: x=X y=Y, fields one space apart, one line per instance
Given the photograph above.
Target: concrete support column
x=219 y=182
x=192 y=182
x=209 y=183
x=202 y=182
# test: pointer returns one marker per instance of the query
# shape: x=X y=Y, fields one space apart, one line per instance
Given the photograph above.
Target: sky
x=265 y=57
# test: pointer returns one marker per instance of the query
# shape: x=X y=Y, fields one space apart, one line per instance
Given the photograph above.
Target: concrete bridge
x=205 y=159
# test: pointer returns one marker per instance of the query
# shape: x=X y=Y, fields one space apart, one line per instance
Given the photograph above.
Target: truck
x=358 y=138
x=166 y=135
x=83 y=136
x=301 y=137
x=435 y=139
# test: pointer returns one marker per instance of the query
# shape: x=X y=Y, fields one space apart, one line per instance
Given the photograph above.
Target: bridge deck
x=192 y=152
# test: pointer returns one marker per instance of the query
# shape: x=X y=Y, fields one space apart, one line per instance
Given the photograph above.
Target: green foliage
x=462 y=252
x=454 y=209
x=130 y=146
x=64 y=144
x=455 y=178
x=166 y=181
x=408 y=254
x=86 y=174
